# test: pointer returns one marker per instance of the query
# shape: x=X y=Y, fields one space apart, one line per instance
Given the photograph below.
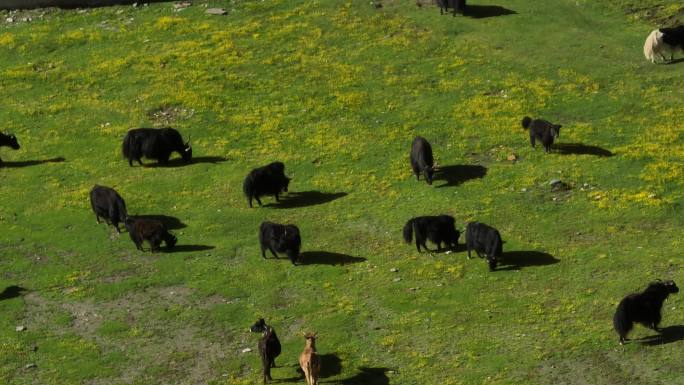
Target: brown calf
x=309 y=360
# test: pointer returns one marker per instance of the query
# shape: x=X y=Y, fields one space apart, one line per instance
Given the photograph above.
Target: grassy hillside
x=337 y=90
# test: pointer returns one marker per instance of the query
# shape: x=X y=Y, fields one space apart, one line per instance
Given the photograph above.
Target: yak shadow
x=457 y=174
x=327 y=258
x=515 y=260
x=367 y=376
x=484 y=11
x=674 y=61
x=171 y=223
x=12 y=292
x=26 y=163
x=305 y=198
x=187 y=248
x=178 y=162
x=580 y=149
x=667 y=335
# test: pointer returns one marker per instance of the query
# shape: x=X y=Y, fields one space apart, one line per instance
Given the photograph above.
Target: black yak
x=154 y=143
x=280 y=239
x=643 y=308
x=267 y=180
x=151 y=230
x=542 y=130
x=485 y=240
x=269 y=347
x=421 y=159
x=662 y=41
x=108 y=204
x=437 y=229
x=457 y=5
x=8 y=141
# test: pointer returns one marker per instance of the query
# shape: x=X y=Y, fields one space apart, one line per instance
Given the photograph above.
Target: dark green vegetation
x=337 y=90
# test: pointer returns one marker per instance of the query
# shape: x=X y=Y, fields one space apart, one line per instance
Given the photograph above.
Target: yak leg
x=276 y=197
x=97 y=218
x=258 y=200
x=532 y=140
x=273 y=252
x=263 y=251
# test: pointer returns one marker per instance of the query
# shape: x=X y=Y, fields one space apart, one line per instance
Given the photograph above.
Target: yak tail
x=621 y=321
x=526 y=122
x=247 y=187
x=408 y=231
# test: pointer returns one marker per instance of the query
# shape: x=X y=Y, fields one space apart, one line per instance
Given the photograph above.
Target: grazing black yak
x=154 y=143
x=662 y=41
x=150 y=230
x=269 y=347
x=108 y=204
x=457 y=5
x=485 y=240
x=542 y=130
x=643 y=308
x=267 y=180
x=8 y=141
x=437 y=229
x=421 y=159
x=280 y=239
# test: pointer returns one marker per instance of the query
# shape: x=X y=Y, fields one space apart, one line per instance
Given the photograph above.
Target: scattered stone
x=9 y=20
x=651 y=196
x=135 y=5
x=394 y=270
x=20 y=328
x=396 y=279
x=31 y=365
x=181 y=5
x=558 y=185
x=34 y=348
x=523 y=189
x=216 y=11
x=246 y=350
x=440 y=285
x=414 y=288
x=512 y=158
x=448 y=252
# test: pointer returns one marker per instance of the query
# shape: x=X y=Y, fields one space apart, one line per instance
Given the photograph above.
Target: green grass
x=337 y=90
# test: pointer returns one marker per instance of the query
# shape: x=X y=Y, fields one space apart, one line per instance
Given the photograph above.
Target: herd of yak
x=159 y=144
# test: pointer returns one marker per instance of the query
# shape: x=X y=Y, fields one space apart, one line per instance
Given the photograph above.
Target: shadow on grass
x=675 y=61
x=187 y=248
x=171 y=223
x=327 y=258
x=367 y=376
x=484 y=11
x=580 y=149
x=305 y=198
x=457 y=174
x=515 y=260
x=331 y=365
x=443 y=250
x=11 y=292
x=178 y=162
x=26 y=163
x=667 y=335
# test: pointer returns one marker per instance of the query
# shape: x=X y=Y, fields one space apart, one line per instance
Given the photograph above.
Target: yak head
x=670 y=286
x=286 y=183
x=258 y=327
x=428 y=173
x=187 y=152
x=555 y=130
x=12 y=142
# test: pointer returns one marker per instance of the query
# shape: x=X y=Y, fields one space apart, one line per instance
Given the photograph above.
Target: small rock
x=9 y=20
x=181 y=5
x=20 y=328
x=414 y=288
x=135 y=5
x=448 y=252
x=216 y=11
x=512 y=157
x=394 y=270
x=651 y=196
x=554 y=181
x=396 y=279
x=246 y=350
x=31 y=365
x=440 y=285
x=34 y=348
x=523 y=189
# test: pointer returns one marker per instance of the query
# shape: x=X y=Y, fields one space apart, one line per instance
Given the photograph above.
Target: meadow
x=337 y=90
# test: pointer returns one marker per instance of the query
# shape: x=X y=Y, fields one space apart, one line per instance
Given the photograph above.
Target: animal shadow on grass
x=178 y=162
x=457 y=174
x=331 y=365
x=515 y=260
x=667 y=335
x=327 y=258
x=25 y=163
x=187 y=248
x=484 y=11
x=11 y=292
x=580 y=149
x=171 y=223
x=675 y=61
x=305 y=198
x=367 y=376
